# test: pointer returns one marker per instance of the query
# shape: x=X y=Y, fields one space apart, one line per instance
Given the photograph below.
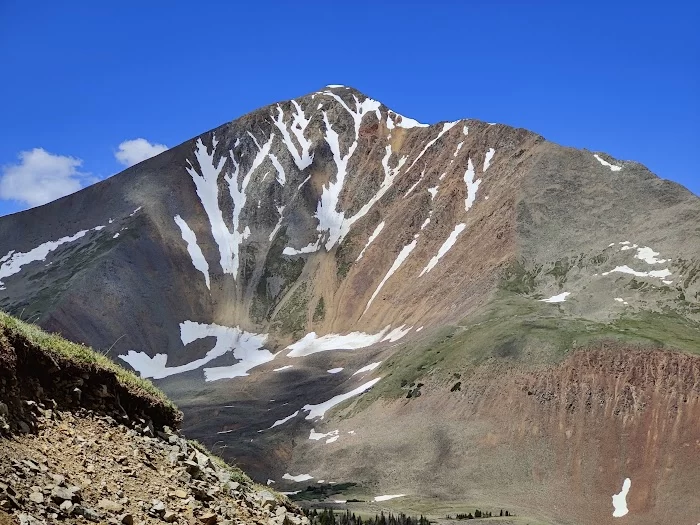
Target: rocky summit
x=359 y=308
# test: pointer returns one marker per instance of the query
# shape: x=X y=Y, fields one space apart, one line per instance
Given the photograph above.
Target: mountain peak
x=427 y=266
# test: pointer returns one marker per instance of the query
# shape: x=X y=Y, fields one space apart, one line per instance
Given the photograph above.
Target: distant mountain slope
x=329 y=232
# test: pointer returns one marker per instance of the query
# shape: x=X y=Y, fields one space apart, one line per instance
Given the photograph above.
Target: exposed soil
x=31 y=373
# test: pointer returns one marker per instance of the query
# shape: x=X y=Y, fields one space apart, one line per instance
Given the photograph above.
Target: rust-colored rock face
x=480 y=261
x=550 y=442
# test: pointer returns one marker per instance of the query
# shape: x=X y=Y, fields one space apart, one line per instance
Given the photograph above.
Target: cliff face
x=329 y=232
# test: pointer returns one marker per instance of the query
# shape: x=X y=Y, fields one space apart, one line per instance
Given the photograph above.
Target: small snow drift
x=320 y=409
x=388 y=497
x=557 y=298
x=619 y=500
x=606 y=163
x=298 y=478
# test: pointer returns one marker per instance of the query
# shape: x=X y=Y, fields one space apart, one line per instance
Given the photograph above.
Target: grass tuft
x=57 y=346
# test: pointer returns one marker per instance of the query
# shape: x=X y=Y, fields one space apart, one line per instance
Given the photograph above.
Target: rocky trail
x=86 y=467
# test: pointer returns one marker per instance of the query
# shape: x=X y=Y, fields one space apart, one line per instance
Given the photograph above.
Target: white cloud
x=40 y=177
x=134 y=151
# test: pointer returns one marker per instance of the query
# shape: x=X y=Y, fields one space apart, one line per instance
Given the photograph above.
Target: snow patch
x=299 y=124
x=405 y=122
x=403 y=255
x=648 y=255
x=12 y=262
x=331 y=222
x=449 y=242
x=419 y=329
x=619 y=500
x=198 y=260
x=335 y=370
x=397 y=333
x=388 y=497
x=283 y=420
x=368 y=368
x=330 y=437
x=557 y=298
x=472 y=185
x=433 y=192
x=280 y=210
x=606 y=163
x=298 y=478
x=318 y=411
x=309 y=248
x=371 y=239
x=489 y=156
x=410 y=190
x=311 y=343
x=626 y=269
x=285 y=367
x=245 y=346
x=445 y=128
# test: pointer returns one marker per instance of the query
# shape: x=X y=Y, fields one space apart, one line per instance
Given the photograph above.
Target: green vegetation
x=329 y=517
x=518 y=279
x=291 y=318
x=320 y=311
x=520 y=329
x=344 y=256
x=278 y=267
x=59 y=347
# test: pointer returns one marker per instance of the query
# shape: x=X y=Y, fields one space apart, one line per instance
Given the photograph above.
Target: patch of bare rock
x=83 y=467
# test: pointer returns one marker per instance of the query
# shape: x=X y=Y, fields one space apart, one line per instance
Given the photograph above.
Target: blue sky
x=80 y=78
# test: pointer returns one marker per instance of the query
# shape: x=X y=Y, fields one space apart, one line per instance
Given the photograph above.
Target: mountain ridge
x=329 y=233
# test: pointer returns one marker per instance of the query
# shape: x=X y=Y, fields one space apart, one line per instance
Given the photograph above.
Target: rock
x=87 y=513
x=266 y=497
x=28 y=519
x=32 y=466
x=58 y=479
x=24 y=428
x=126 y=519
x=179 y=493
x=157 y=507
x=36 y=497
x=203 y=460
x=200 y=492
x=209 y=518
x=192 y=468
x=4 y=411
x=169 y=516
x=173 y=457
x=61 y=494
x=109 y=505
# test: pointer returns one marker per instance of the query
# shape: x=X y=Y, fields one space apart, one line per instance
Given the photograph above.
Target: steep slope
x=330 y=234
x=82 y=440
